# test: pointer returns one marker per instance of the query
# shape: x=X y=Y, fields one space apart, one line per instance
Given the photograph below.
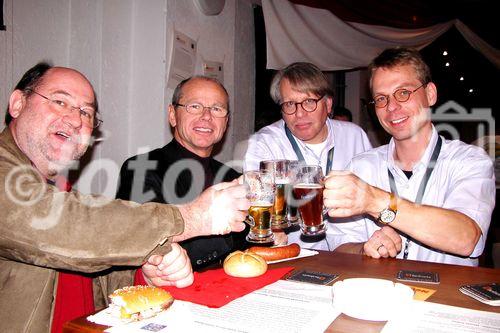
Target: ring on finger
x=381 y=245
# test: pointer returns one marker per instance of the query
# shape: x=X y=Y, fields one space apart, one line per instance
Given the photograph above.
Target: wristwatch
x=388 y=215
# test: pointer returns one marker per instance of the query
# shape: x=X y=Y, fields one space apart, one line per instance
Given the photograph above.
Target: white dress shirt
x=271 y=143
x=462 y=180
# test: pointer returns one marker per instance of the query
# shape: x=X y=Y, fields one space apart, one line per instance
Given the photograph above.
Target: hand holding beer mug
x=308 y=194
x=260 y=192
x=280 y=169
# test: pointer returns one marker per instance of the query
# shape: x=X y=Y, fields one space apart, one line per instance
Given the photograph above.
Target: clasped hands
x=171 y=269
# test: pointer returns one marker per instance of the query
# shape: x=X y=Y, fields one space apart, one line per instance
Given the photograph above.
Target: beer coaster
x=313 y=277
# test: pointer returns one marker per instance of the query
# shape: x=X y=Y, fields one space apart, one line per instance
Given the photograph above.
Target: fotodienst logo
x=449 y=114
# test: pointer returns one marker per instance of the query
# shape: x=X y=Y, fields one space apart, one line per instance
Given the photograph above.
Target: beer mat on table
x=214 y=288
x=421 y=293
x=303 y=253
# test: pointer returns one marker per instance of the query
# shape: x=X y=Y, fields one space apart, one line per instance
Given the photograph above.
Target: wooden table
x=351 y=265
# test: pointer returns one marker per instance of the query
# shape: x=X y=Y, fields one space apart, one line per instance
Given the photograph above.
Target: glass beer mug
x=260 y=192
x=292 y=214
x=280 y=169
x=308 y=194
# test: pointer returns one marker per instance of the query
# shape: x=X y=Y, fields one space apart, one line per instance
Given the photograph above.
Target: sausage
x=276 y=253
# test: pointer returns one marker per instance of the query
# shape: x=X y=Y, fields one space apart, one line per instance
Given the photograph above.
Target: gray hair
x=304 y=77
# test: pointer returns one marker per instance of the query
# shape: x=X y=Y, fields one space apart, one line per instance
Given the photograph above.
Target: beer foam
x=305 y=185
x=262 y=204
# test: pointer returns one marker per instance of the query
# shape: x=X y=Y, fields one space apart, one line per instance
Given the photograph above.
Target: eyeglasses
x=309 y=105
x=63 y=107
x=197 y=109
x=400 y=95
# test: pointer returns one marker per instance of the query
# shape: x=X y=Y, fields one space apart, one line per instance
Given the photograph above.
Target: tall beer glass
x=308 y=192
x=280 y=170
x=292 y=214
x=260 y=192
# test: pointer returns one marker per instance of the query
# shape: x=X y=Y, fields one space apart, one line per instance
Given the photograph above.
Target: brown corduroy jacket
x=43 y=230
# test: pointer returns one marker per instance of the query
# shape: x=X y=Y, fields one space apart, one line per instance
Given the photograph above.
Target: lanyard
x=297 y=151
x=423 y=184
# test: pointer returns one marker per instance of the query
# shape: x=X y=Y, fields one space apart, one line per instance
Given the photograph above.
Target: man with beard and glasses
x=62 y=252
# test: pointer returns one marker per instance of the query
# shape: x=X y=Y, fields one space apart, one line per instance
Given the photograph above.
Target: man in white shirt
x=423 y=197
x=306 y=133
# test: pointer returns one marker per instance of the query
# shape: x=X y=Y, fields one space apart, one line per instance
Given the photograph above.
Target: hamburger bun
x=241 y=264
x=140 y=302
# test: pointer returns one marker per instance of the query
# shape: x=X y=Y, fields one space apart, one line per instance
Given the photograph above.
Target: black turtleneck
x=165 y=185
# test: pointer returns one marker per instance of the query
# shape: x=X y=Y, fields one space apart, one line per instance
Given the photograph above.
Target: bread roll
x=241 y=264
x=140 y=302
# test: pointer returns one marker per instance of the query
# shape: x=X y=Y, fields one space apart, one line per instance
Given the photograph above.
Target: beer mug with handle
x=260 y=192
x=308 y=193
x=280 y=168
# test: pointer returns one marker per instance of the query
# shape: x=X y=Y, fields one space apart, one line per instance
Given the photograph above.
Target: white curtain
x=301 y=33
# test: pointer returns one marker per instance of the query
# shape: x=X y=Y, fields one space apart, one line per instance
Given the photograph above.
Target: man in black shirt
x=181 y=170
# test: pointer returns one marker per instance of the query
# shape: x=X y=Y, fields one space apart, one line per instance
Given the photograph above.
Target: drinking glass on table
x=260 y=192
x=292 y=213
x=280 y=168
x=308 y=194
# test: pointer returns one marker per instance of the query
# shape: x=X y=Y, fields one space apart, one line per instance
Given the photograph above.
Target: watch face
x=387 y=216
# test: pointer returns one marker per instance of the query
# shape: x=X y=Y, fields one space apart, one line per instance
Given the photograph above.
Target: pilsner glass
x=308 y=192
x=260 y=192
x=280 y=170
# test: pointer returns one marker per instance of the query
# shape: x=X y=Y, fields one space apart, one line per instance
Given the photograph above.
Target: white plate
x=303 y=253
x=371 y=299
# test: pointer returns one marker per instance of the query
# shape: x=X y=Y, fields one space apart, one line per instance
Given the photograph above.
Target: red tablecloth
x=214 y=288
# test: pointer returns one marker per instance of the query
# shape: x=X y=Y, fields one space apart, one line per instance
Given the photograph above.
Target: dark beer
x=310 y=198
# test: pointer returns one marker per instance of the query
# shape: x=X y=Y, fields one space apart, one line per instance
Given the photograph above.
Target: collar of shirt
x=419 y=167
x=329 y=143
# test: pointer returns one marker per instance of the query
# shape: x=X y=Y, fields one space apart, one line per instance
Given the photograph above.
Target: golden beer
x=260 y=215
x=260 y=192
x=279 y=208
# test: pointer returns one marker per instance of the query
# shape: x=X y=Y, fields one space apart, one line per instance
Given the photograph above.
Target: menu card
x=432 y=317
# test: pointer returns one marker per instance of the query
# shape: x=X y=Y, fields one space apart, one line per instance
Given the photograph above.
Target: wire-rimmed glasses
x=401 y=95
x=198 y=108
x=63 y=107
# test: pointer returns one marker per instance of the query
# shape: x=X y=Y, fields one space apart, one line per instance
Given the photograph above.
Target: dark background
x=2 y=26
